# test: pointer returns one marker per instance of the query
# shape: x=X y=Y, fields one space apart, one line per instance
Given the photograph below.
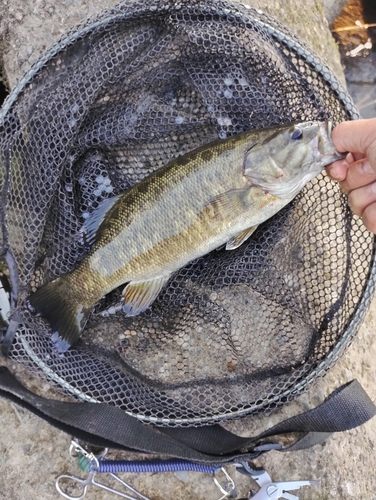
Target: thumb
x=358 y=136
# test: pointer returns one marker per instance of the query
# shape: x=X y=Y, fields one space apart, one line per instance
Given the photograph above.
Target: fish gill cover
x=233 y=332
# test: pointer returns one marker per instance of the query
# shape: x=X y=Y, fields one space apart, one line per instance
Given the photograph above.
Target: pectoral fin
x=233 y=201
x=240 y=238
x=138 y=296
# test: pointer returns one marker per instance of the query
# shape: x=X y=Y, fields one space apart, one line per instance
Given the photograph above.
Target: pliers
x=271 y=489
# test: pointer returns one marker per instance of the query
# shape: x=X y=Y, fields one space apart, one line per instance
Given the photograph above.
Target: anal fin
x=240 y=238
x=138 y=296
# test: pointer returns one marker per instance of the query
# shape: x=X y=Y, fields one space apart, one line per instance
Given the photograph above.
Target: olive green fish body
x=214 y=195
x=176 y=215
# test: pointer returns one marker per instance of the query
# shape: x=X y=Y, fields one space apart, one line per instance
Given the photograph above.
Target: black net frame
x=233 y=333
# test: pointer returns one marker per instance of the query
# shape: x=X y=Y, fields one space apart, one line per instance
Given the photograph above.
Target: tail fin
x=58 y=303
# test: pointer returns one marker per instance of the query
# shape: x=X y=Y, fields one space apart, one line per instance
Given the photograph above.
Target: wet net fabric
x=234 y=332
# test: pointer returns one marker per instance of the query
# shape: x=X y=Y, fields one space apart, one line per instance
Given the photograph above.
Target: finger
x=338 y=170
x=361 y=197
x=358 y=136
x=359 y=174
x=355 y=156
x=369 y=217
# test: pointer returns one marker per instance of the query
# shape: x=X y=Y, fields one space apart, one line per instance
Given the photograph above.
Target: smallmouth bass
x=217 y=194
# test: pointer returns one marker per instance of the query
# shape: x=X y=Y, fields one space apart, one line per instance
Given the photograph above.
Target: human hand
x=357 y=172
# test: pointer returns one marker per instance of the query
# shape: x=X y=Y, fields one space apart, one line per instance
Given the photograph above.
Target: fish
x=212 y=196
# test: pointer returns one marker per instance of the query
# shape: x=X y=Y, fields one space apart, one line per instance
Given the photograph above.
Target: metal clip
x=272 y=489
x=90 y=464
x=228 y=490
x=77 y=451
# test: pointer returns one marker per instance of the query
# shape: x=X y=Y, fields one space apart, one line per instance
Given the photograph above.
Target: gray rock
x=332 y=9
x=361 y=69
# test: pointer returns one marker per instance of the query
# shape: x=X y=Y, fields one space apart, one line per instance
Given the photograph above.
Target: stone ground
x=32 y=453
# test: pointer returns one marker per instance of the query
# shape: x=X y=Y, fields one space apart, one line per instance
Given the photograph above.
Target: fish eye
x=297 y=134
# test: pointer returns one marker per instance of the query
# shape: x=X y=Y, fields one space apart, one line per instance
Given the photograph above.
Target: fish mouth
x=340 y=156
x=336 y=154
x=323 y=146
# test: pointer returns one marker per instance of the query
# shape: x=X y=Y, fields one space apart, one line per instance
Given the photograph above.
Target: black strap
x=109 y=426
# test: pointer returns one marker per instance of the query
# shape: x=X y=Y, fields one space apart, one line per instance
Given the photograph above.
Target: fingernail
x=373 y=187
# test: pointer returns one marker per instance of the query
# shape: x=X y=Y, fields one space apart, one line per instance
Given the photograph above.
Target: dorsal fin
x=95 y=219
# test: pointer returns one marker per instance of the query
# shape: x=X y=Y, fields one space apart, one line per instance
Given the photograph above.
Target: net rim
x=326 y=74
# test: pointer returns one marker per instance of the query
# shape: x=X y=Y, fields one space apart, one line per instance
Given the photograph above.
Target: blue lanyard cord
x=115 y=466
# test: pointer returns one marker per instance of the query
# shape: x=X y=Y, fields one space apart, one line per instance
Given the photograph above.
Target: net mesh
x=233 y=332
